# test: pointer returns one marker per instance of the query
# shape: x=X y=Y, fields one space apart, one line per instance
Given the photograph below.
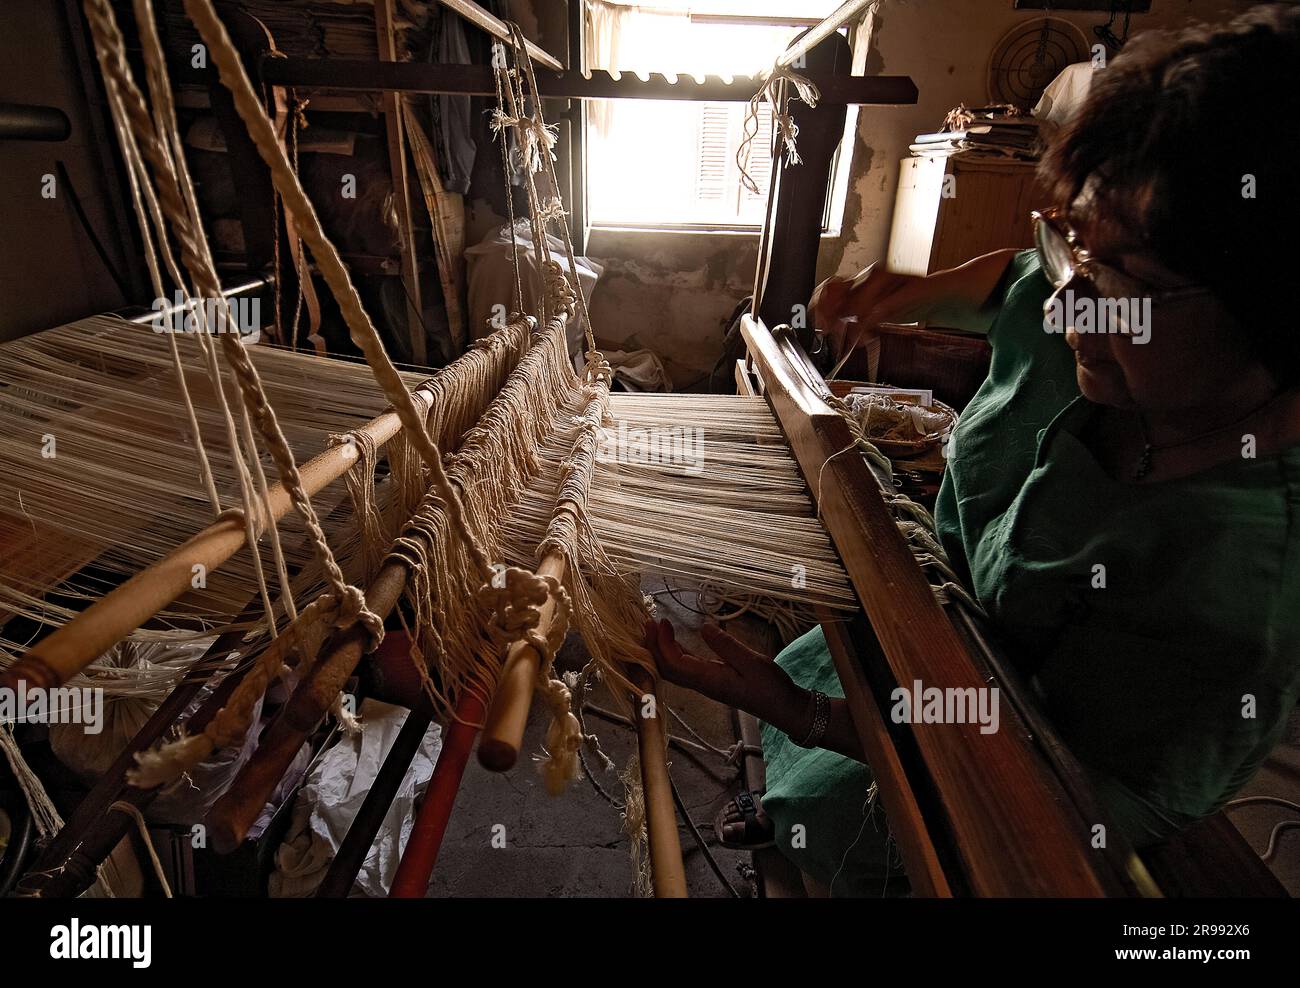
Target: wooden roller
x=503 y=737
x=64 y=652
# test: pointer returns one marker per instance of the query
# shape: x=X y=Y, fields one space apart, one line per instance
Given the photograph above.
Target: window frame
x=837 y=187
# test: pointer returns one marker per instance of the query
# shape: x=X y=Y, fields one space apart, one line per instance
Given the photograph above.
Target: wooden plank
x=498 y=28
x=343 y=75
x=839 y=17
x=1012 y=829
x=396 y=137
x=906 y=821
x=1211 y=859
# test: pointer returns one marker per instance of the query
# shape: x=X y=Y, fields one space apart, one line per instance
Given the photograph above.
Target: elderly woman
x=1123 y=495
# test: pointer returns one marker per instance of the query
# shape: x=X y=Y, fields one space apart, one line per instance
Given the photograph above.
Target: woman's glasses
x=1065 y=258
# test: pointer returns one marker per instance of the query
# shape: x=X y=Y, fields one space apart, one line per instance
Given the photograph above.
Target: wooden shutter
x=714 y=152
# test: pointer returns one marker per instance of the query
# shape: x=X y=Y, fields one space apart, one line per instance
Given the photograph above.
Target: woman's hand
x=849 y=310
x=744 y=679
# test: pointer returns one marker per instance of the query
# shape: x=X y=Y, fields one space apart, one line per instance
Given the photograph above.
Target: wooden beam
x=393 y=126
x=787 y=252
x=498 y=28
x=906 y=819
x=67 y=650
x=341 y=75
x=1009 y=827
x=837 y=19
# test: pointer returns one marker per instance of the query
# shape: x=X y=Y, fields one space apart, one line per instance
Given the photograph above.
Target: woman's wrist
x=790 y=709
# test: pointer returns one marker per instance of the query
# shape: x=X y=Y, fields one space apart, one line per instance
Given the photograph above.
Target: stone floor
x=573 y=845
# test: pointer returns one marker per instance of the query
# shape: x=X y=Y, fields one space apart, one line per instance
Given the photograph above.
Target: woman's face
x=1134 y=349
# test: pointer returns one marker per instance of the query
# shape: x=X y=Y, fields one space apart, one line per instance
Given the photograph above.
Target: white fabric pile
x=332 y=794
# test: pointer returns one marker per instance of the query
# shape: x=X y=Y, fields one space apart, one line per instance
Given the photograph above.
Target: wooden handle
x=667 y=870
x=503 y=734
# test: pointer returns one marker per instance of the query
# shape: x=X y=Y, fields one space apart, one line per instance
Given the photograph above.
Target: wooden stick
x=667 y=869
x=394 y=130
x=108 y=788
x=64 y=652
x=503 y=734
x=70 y=871
x=421 y=854
x=815 y=36
x=365 y=825
x=498 y=28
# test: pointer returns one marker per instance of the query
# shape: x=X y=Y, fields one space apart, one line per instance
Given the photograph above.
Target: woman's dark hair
x=1168 y=141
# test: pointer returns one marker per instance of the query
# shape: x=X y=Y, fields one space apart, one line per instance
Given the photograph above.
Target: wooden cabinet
x=949 y=210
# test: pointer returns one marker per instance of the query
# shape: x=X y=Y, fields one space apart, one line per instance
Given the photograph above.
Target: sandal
x=757 y=836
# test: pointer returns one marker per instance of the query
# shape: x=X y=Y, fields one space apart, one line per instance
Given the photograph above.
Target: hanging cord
x=775 y=91
x=699 y=840
x=165 y=126
x=297 y=122
x=1104 y=32
x=500 y=126
x=133 y=811
x=110 y=50
x=362 y=331
x=537 y=146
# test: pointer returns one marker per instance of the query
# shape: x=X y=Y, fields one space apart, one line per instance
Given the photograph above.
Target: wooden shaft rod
x=64 y=652
x=235 y=812
x=503 y=734
x=498 y=28
x=667 y=870
x=109 y=786
x=421 y=854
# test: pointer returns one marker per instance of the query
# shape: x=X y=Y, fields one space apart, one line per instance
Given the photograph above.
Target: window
x=672 y=164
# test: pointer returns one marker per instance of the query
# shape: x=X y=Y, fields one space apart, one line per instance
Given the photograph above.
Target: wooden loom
x=973 y=814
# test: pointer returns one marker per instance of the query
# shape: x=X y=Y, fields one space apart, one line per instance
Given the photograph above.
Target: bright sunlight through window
x=668 y=164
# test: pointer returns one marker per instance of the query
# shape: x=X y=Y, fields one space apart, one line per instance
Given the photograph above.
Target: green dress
x=1160 y=623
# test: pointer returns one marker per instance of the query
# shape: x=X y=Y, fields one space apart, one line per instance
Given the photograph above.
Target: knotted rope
x=775 y=91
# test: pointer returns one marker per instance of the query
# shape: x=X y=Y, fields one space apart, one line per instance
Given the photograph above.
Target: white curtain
x=626 y=38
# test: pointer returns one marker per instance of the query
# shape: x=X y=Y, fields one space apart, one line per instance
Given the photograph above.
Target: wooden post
x=667 y=869
x=421 y=854
x=410 y=267
x=787 y=253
